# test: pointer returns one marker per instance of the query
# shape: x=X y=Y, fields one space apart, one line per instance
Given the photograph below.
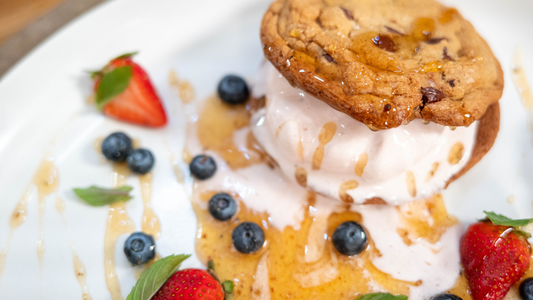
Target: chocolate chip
x=434 y=41
x=328 y=57
x=445 y=54
x=392 y=30
x=384 y=42
x=452 y=83
x=347 y=13
x=431 y=95
x=387 y=107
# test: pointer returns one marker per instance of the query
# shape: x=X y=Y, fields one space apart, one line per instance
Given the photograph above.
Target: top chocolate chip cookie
x=384 y=62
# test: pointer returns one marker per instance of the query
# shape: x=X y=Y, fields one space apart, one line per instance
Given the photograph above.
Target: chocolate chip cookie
x=384 y=62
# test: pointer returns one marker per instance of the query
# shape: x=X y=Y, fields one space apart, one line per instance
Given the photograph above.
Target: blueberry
x=116 y=147
x=222 y=207
x=203 y=167
x=446 y=297
x=349 y=238
x=248 y=237
x=233 y=90
x=141 y=161
x=526 y=289
x=139 y=248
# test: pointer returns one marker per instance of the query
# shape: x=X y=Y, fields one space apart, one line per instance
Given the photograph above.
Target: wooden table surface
x=17 y=14
x=26 y=23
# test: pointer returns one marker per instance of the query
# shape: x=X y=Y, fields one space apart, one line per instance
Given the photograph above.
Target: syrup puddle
x=79 y=267
x=118 y=223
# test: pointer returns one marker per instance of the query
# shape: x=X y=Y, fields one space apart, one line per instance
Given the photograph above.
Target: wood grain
x=17 y=14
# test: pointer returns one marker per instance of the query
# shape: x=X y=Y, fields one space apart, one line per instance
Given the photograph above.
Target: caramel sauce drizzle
x=118 y=223
x=431 y=172
x=46 y=180
x=150 y=221
x=300 y=174
x=361 y=164
x=184 y=88
x=344 y=188
x=299 y=146
x=324 y=137
x=79 y=268
x=18 y=217
x=411 y=183
x=456 y=153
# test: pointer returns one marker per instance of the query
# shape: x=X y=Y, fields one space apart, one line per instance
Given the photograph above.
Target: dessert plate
x=56 y=248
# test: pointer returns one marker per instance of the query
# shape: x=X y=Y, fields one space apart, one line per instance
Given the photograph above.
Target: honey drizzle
x=300 y=174
x=324 y=137
x=180 y=177
x=118 y=223
x=46 y=180
x=456 y=153
x=79 y=268
x=150 y=221
x=411 y=183
x=431 y=172
x=361 y=164
x=183 y=87
x=344 y=188
x=18 y=217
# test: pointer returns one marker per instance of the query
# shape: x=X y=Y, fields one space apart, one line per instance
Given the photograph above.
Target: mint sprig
x=97 y=196
x=153 y=279
x=113 y=84
x=498 y=219
x=382 y=296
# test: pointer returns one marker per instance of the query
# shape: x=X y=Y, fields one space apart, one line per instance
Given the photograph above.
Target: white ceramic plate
x=43 y=111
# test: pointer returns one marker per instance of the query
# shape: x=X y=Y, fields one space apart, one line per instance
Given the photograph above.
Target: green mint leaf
x=126 y=55
x=113 y=84
x=97 y=196
x=227 y=286
x=382 y=296
x=497 y=219
x=152 y=279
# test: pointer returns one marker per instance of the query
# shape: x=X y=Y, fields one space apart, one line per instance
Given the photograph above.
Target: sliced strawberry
x=494 y=255
x=128 y=96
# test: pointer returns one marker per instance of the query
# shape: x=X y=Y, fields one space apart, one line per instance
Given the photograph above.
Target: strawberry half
x=191 y=284
x=162 y=281
x=124 y=91
x=495 y=254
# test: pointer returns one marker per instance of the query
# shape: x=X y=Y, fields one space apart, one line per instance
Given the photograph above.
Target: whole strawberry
x=495 y=255
x=124 y=91
x=190 y=284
